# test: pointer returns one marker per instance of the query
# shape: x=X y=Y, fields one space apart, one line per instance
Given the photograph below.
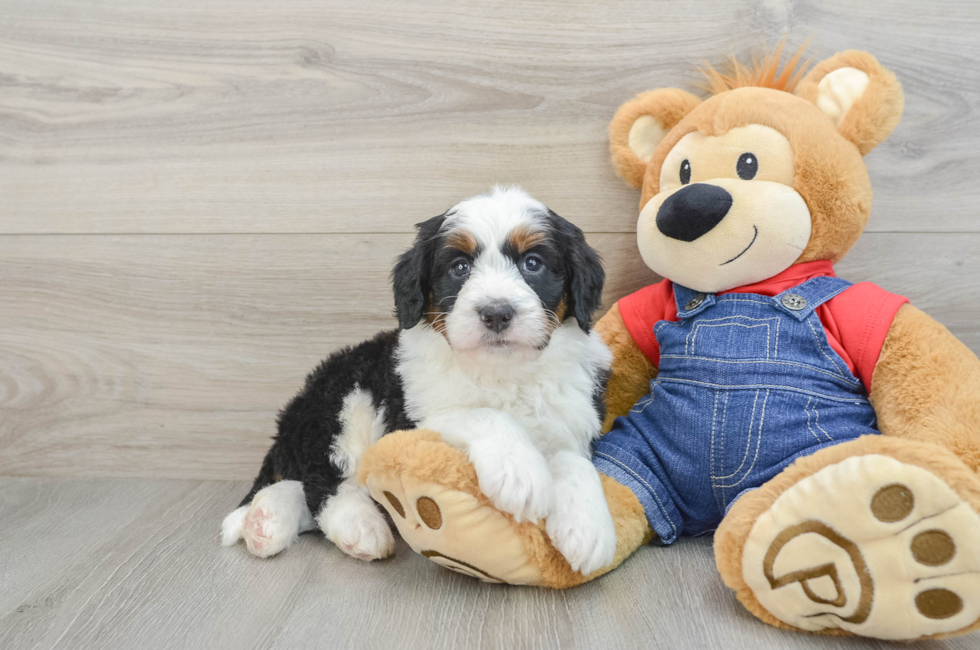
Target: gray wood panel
x=118 y=564
x=169 y=355
x=358 y=115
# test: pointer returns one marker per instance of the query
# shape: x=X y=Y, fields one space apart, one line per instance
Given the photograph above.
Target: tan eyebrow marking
x=462 y=240
x=525 y=236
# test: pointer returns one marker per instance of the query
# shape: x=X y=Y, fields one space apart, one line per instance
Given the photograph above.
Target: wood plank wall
x=199 y=199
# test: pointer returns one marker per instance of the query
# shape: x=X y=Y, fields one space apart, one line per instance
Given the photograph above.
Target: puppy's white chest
x=550 y=396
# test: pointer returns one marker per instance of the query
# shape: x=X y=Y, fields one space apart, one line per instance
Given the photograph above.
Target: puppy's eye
x=460 y=268
x=533 y=264
x=685 y=172
x=747 y=166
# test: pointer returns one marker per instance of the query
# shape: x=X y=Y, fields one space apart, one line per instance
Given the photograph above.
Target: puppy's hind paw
x=353 y=522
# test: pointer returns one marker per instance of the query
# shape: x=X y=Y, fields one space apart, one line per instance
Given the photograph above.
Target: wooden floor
x=201 y=198
x=108 y=564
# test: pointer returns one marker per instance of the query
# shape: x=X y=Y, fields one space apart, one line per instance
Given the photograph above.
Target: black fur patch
x=445 y=285
x=310 y=422
x=584 y=275
x=411 y=278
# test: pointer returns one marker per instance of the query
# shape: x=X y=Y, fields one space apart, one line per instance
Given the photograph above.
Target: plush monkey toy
x=828 y=432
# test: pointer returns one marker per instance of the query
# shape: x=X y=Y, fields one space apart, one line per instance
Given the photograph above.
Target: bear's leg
x=875 y=537
x=431 y=491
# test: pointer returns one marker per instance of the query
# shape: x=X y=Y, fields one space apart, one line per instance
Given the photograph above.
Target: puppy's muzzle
x=693 y=211
x=497 y=316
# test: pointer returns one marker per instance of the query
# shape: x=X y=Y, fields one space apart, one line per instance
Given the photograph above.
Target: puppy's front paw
x=582 y=532
x=516 y=479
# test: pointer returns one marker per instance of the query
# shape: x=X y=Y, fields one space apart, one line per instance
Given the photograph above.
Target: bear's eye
x=747 y=167
x=686 y=172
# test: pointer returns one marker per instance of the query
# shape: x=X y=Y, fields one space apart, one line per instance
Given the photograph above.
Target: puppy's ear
x=640 y=124
x=861 y=97
x=410 y=279
x=584 y=275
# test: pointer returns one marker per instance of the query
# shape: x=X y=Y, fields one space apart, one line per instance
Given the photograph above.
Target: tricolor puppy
x=494 y=304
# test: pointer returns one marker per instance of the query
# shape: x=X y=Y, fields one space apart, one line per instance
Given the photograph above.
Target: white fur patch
x=233 y=526
x=352 y=521
x=548 y=392
x=580 y=525
x=275 y=518
x=361 y=426
x=511 y=471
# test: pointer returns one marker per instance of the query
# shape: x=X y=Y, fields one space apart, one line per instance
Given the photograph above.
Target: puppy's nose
x=693 y=211
x=496 y=316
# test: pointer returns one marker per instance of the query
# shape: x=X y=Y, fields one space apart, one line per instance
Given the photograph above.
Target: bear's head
x=764 y=174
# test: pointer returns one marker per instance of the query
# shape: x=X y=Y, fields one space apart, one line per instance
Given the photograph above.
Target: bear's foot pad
x=439 y=510
x=870 y=545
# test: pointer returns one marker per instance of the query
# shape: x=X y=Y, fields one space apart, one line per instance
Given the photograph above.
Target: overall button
x=794 y=301
x=695 y=302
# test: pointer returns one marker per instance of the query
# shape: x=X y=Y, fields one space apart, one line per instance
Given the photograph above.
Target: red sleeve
x=862 y=315
x=644 y=309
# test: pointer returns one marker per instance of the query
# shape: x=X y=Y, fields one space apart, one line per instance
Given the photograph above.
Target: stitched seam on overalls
x=794 y=389
x=809 y=427
x=714 y=419
x=719 y=494
x=758 y=302
x=816 y=414
x=642 y=406
x=639 y=478
x=775 y=351
x=856 y=384
x=694 y=333
x=816 y=338
x=758 y=446
x=748 y=443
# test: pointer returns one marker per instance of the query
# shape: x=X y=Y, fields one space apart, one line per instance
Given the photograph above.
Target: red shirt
x=856 y=320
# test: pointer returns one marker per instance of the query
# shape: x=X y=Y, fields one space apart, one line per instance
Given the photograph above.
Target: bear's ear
x=862 y=98
x=640 y=124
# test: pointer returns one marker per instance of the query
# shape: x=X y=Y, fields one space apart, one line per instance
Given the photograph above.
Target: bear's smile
x=755 y=235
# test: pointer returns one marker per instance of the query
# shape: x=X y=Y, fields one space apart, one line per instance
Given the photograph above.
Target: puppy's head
x=498 y=272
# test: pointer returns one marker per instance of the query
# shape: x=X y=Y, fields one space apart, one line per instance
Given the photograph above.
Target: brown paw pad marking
x=866 y=595
x=395 y=503
x=938 y=603
x=931 y=547
x=428 y=510
x=892 y=503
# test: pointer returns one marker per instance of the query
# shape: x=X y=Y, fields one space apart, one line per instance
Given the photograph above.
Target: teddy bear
x=827 y=433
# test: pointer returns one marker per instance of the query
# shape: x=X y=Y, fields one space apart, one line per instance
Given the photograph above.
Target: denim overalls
x=747 y=384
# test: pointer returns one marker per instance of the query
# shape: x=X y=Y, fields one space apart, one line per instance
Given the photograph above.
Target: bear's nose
x=693 y=211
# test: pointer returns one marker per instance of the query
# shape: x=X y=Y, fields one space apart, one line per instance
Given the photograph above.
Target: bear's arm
x=926 y=386
x=632 y=371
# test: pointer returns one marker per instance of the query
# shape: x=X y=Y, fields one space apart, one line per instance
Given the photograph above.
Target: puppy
x=494 y=351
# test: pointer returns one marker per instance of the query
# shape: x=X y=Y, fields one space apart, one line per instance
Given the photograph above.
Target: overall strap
x=800 y=301
x=690 y=302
